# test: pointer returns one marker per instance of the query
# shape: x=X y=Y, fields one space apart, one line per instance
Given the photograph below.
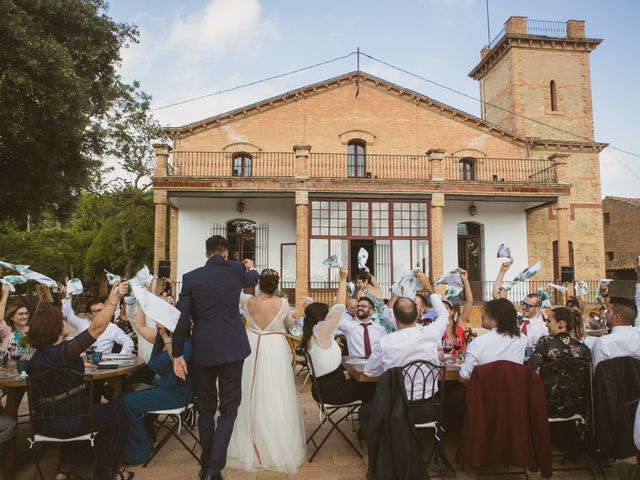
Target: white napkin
x=451 y=279
x=504 y=251
x=112 y=278
x=363 y=256
x=407 y=286
x=13 y=280
x=604 y=281
x=333 y=262
x=155 y=308
x=14 y=266
x=528 y=272
x=74 y=287
x=559 y=288
x=39 y=277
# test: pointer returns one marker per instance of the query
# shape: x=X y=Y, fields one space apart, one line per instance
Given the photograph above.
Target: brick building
x=621 y=219
x=358 y=162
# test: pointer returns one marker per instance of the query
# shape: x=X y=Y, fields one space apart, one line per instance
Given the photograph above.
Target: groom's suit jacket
x=210 y=297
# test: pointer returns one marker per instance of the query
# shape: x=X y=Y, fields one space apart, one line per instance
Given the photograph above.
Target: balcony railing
x=335 y=165
x=383 y=167
x=499 y=170
x=547 y=28
x=221 y=164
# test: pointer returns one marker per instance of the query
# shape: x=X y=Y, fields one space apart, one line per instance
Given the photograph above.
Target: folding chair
x=568 y=389
x=326 y=413
x=179 y=418
x=426 y=378
x=59 y=394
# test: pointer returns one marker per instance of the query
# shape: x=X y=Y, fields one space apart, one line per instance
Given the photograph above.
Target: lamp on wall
x=240 y=206
x=473 y=210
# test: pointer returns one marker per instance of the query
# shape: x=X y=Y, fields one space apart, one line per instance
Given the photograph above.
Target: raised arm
x=103 y=318
x=251 y=275
x=375 y=286
x=604 y=291
x=463 y=320
x=75 y=321
x=498 y=291
x=328 y=326
x=148 y=333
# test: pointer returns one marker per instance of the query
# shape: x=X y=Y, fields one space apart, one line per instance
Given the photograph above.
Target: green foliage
x=58 y=80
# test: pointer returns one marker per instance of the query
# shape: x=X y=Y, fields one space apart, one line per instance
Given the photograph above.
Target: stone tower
x=535 y=80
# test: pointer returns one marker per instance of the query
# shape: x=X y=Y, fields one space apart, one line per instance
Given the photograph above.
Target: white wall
x=504 y=222
x=196 y=216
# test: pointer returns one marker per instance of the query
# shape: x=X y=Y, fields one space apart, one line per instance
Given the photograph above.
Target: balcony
x=411 y=168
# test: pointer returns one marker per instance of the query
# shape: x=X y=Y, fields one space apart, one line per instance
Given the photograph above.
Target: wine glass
x=3 y=358
x=446 y=345
x=457 y=345
x=16 y=353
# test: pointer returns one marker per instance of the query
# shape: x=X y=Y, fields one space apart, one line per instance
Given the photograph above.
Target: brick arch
x=241 y=147
x=469 y=152
x=367 y=137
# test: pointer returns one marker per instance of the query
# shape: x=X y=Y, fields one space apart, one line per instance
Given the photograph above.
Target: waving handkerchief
x=74 y=287
x=12 y=281
x=155 y=308
x=351 y=287
x=451 y=279
x=38 y=277
x=528 y=272
x=581 y=287
x=363 y=256
x=112 y=278
x=407 y=286
x=604 y=281
x=14 y=266
x=559 y=288
x=333 y=262
x=504 y=251
x=545 y=297
x=142 y=277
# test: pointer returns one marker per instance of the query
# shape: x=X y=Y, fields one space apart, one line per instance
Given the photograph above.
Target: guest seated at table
x=458 y=321
x=560 y=342
x=165 y=392
x=5 y=330
x=318 y=339
x=426 y=313
x=624 y=339
x=363 y=333
x=46 y=335
x=111 y=335
x=17 y=317
x=306 y=301
x=502 y=342
x=532 y=322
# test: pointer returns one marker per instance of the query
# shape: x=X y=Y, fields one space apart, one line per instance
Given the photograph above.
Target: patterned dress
x=563 y=386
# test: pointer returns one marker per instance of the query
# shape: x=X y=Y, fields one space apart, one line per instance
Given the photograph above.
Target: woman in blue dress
x=166 y=390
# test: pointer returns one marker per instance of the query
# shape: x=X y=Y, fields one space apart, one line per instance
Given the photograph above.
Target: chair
x=567 y=384
x=425 y=378
x=59 y=395
x=183 y=417
x=326 y=412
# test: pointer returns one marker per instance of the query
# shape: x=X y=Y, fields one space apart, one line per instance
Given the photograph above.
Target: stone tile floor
x=335 y=460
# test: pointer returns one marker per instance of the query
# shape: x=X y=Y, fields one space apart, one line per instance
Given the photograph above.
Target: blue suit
x=210 y=297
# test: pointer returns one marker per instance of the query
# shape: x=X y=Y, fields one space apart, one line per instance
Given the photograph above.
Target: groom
x=210 y=297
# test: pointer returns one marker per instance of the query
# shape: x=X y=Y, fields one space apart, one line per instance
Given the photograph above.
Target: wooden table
x=357 y=372
x=16 y=387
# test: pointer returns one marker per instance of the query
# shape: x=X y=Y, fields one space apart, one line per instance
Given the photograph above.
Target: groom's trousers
x=215 y=438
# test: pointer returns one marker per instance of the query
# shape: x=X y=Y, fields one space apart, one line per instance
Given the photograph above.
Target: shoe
x=211 y=476
x=123 y=475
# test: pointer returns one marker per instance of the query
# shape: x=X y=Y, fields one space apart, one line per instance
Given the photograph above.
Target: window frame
x=553 y=95
x=467 y=168
x=246 y=164
x=355 y=157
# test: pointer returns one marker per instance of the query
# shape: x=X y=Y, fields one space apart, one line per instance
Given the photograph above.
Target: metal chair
x=327 y=411
x=61 y=395
x=183 y=417
x=567 y=384
x=424 y=379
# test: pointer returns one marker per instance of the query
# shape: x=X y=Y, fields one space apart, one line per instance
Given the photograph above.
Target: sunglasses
x=526 y=305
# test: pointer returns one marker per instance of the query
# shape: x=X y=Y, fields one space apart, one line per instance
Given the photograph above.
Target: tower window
x=606 y=218
x=554 y=96
x=610 y=256
x=356 y=159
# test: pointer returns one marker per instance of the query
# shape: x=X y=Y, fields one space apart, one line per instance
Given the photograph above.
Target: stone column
x=562 y=212
x=160 y=235
x=516 y=25
x=435 y=157
x=301 y=166
x=559 y=162
x=302 y=247
x=162 y=158
x=436 y=235
x=575 y=28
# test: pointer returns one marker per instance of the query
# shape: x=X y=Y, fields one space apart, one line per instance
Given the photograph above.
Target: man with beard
x=361 y=334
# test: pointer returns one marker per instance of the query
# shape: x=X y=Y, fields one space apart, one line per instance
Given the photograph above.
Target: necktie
x=525 y=324
x=367 y=342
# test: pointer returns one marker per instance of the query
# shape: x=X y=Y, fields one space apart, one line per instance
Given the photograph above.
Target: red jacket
x=506 y=419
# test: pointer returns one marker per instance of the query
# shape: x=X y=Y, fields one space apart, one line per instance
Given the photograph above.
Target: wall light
x=240 y=206
x=473 y=210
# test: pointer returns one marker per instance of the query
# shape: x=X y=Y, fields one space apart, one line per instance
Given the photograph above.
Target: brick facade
x=621 y=235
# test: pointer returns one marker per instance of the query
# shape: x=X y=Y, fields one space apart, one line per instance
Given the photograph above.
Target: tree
x=57 y=81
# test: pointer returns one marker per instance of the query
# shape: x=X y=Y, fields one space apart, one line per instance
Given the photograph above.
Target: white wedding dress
x=269 y=430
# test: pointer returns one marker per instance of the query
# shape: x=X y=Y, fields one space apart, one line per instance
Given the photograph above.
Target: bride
x=269 y=429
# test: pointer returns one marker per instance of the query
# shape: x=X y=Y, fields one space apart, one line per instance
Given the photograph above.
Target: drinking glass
x=4 y=357
x=457 y=345
x=446 y=345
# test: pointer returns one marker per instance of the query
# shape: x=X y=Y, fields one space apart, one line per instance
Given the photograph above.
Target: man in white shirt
x=363 y=334
x=503 y=342
x=113 y=334
x=409 y=343
x=532 y=322
x=624 y=339
x=306 y=301
x=350 y=312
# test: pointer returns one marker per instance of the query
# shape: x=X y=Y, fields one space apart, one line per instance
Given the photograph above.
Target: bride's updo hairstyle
x=313 y=314
x=269 y=281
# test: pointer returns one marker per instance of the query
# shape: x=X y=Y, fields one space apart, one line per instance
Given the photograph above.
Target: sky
x=192 y=48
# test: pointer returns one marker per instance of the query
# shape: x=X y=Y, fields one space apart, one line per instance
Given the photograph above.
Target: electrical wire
x=238 y=87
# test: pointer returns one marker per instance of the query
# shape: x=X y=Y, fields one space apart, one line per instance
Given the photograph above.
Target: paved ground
x=335 y=461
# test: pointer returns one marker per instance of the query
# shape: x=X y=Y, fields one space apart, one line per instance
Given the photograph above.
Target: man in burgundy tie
x=362 y=334
x=531 y=320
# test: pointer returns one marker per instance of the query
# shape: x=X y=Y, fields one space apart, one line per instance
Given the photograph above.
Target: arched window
x=466 y=167
x=553 y=93
x=356 y=161
x=242 y=164
x=241 y=235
